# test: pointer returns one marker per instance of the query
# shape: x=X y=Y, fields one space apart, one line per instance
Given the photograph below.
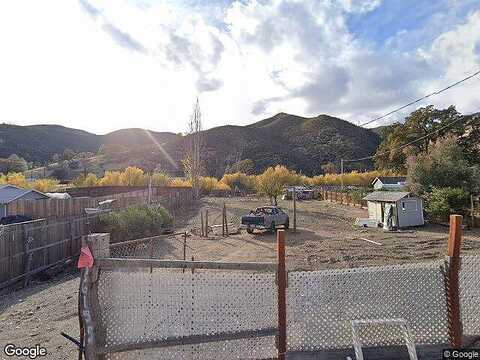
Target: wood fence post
x=294 y=209
x=452 y=286
x=282 y=296
x=206 y=223
x=472 y=209
x=223 y=220
x=99 y=244
x=226 y=220
x=28 y=240
x=152 y=248
x=184 y=248
x=201 y=220
x=72 y=249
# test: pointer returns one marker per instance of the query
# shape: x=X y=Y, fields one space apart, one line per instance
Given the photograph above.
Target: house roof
x=386 y=196
x=9 y=193
x=392 y=180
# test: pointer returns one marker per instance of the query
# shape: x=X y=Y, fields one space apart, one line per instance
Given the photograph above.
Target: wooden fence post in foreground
x=206 y=223
x=282 y=296
x=223 y=220
x=294 y=209
x=184 y=248
x=226 y=219
x=452 y=286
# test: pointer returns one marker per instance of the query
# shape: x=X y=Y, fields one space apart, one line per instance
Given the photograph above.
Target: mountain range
x=301 y=143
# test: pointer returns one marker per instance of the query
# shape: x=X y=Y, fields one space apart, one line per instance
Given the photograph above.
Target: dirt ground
x=326 y=238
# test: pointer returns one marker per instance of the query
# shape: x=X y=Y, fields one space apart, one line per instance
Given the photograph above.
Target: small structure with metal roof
x=389 y=182
x=395 y=209
x=10 y=193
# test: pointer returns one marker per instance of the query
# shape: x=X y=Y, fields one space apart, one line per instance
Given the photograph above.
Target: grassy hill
x=136 y=137
x=303 y=144
x=39 y=143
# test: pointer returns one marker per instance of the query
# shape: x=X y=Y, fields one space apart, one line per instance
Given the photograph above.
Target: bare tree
x=192 y=161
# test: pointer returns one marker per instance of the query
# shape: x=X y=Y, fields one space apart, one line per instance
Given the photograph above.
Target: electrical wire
x=422 y=98
x=410 y=142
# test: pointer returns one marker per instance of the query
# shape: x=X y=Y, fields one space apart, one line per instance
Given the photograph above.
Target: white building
x=395 y=208
x=389 y=182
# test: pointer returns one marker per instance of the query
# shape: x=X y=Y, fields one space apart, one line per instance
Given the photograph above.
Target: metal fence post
x=282 y=296
x=452 y=286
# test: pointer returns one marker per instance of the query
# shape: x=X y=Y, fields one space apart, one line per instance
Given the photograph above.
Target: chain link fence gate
x=159 y=309
x=322 y=305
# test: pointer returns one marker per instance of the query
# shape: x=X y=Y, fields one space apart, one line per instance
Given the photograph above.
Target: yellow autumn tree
x=133 y=176
x=207 y=184
x=45 y=185
x=239 y=181
x=272 y=181
x=220 y=186
x=160 y=179
x=17 y=179
x=111 y=178
x=90 y=180
x=178 y=182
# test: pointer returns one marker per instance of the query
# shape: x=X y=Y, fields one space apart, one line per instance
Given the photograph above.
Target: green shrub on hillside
x=135 y=222
x=442 y=202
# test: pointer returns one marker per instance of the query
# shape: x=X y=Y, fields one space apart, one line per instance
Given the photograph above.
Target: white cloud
x=102 y=65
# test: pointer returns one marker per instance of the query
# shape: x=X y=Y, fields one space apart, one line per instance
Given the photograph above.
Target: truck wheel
x=287 y=224
x=250 y=231
x=273 y=227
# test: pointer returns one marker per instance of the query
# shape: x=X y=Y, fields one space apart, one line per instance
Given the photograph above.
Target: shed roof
x=9 y=193
x=392 y=180
x=386 y=196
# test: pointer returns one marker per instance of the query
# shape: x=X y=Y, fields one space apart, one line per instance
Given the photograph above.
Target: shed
x=389 y=182
x=10 y=193
x=395 y=208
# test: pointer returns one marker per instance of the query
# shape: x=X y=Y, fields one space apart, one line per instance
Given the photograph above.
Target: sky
x=102 y=65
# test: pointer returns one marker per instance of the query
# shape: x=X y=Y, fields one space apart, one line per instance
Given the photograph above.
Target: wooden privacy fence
x=343 y=198
x=34 y=246
x=60 y=208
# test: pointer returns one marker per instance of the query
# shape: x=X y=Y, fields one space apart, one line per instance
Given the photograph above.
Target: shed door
x=409 y=213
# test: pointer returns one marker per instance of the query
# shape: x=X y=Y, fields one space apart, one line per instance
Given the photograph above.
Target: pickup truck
x=265 y=218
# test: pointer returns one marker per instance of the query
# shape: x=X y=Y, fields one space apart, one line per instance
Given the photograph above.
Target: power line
x=409 y=143
x=420 y=99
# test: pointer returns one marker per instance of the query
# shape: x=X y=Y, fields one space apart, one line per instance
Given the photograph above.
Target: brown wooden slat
x=113 y=263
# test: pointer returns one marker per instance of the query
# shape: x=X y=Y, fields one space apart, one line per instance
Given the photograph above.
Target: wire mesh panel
x=139 y=306
x=469 y=283
x=322 y=304
x=148 y=248
x=137 y=249
x=255 y=348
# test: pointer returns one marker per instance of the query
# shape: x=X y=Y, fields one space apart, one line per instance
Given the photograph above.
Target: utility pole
x=341 y=172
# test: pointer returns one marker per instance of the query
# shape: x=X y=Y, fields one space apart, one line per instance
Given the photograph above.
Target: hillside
x=136 y=137
x=303 y=144
x=38 y=143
